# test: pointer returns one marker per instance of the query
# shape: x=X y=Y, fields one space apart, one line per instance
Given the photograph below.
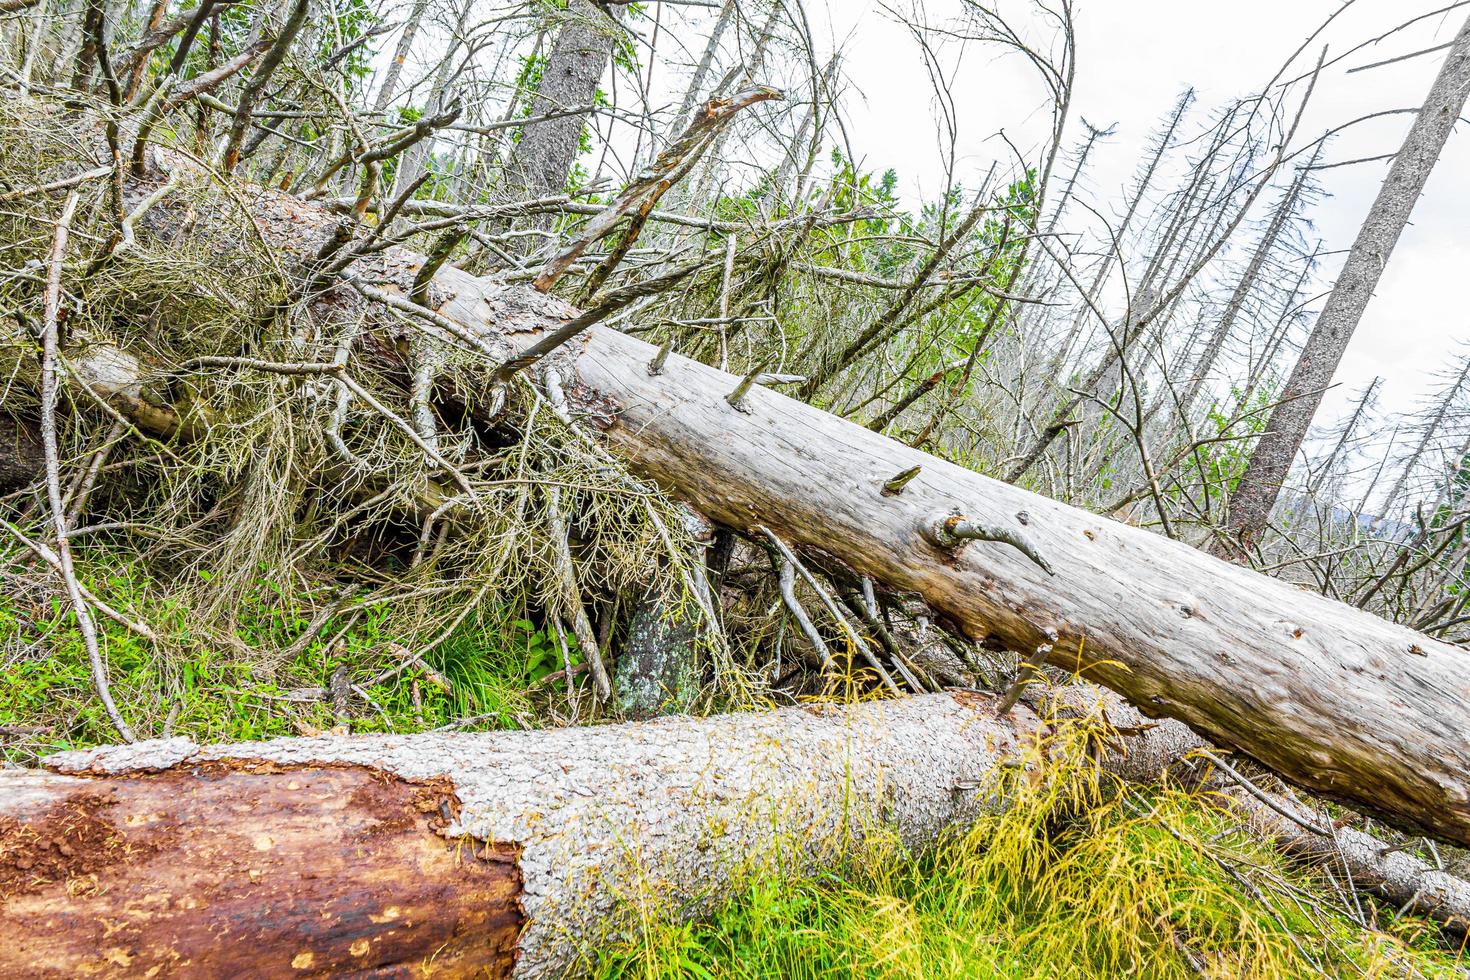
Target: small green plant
x=240 y=687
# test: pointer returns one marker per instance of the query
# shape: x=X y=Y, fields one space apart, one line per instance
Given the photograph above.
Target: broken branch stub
x=949 y=532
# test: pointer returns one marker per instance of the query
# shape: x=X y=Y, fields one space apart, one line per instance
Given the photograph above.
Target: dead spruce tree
x=1287 y=426
x=283 y=374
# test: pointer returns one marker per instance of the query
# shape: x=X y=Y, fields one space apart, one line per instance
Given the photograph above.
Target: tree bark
x=520 y=853
x=21 y=459
x=544 y=156
x=501 y=854
x=1271 y=461
x=1332 y=698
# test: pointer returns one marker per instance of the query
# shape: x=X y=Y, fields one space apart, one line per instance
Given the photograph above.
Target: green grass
x=1081 y=878
x=236 y=688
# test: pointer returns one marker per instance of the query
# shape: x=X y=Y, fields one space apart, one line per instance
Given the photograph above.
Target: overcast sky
x=1134 y=58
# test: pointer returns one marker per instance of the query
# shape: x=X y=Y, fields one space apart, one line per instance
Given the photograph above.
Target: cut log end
x=227 y=871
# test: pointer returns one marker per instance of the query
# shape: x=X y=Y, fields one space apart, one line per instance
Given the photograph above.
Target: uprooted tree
x=256 y=380
x=1334 y=699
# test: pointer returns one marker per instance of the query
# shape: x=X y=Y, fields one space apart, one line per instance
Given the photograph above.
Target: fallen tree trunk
x=520 y=853
x=1149 y=753
x=511 y=853
x=1332 y=698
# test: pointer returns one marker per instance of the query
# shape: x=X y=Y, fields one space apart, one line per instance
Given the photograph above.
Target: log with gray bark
x=522 y=853
x=1332 y=698
x=502 y=854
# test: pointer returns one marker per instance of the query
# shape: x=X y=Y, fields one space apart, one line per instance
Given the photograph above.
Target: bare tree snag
x=1272 y=459
x=501 y=854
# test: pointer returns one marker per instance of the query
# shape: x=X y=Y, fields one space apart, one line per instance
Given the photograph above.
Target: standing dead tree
x=1274 y=455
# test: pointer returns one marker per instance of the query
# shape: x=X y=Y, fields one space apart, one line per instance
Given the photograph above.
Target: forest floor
x=1071 y=882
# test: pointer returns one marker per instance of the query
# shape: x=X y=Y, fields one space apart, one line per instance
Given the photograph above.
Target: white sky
x=1134 y=58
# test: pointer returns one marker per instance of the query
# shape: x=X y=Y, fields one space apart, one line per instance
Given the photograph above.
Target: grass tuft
x=1081 y=877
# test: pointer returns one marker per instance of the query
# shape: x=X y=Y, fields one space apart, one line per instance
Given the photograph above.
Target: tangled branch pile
x=261 y=473
x=270 y=453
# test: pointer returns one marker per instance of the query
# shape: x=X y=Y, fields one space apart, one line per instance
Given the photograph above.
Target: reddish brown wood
x=222 y=870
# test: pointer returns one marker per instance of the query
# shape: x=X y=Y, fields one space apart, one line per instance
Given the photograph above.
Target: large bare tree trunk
x=1332 y=698
x=1250 y=505
x=518 y=853
x=510 y=853
x=1335 y=699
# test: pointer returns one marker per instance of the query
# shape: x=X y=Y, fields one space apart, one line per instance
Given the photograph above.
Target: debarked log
x=1332 y=698
x=453 y=854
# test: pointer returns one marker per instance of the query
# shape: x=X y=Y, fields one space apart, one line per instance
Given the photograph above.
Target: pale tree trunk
x=1333 y=698
x=1271 y=461
x=1200 y=371
x=1093 y=135
x=1059 y=362
x=391 y=75
x=1330 y=697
